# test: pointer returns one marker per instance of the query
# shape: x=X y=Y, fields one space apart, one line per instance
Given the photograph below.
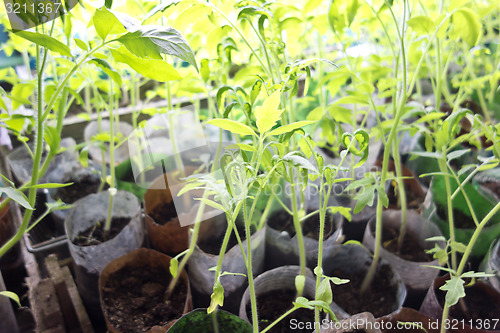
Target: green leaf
x=268 y=114
x=12 y=296
x=20 y=94
x=204 y=70
x=255 y=91
x=364 y=198
x=290 y=127
x=241 y=146
x=467 y=25
x=299 y=161
x=457 y=246
x=217 y=297
x=211 y=203
x=324 y=292
x=81 y=44
x=50 y=185
x=107 y=22
x=174 y=265
x=338 y=281
x=149 y=41
x=232 y=126
x=46 y=41
x=457 y=153
x=106 y=67
x=454 y=288
x=422 y=25
x=160 y=8
x=158 y=70
x=17 y=196
x=302 y=302
x=476 y=275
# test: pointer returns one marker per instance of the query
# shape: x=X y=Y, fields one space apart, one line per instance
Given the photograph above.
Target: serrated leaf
x=476 y=275
x=459 y=247
x=363 y=199
x=46 y=41
x=268 y=114
x=232 y=126
x=457 y=153
x=17 y=196
x=454 y=288
x=160 y=8
x=158 y=70
x=149 y=41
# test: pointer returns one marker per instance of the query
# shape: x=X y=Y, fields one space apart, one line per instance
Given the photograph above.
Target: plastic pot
x=202 y=279
x=282 y=279
x=413 y=273
x=95 y=151
x=169 y=237
x=489 y=298
x=352 y=260
x=8 y=322
x=200 y=321
x=282 y=250
x=91 y=260
x=406 y=316
x=138 y=263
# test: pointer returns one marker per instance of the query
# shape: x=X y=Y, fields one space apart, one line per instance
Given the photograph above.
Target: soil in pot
x=163 y=214
x=82 y=186
x=377 y=299
x=272 y=304
x=139 y=296
x=282 y=221
x=411 y=249
x=95 y=235
x=212 y=245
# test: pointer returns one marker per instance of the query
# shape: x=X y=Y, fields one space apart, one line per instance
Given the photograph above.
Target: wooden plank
x=73 y=311
x=45 y=307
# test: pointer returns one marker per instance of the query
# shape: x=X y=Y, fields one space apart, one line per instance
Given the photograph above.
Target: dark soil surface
x=95 y=235
x=135 y=299
x=273 y=304
x=162 y=214
x=81 y=187
x=479 y=306
x=410 y=250
x=460 y=219
x=310 y=227
x=282 y=221
x=378 y=299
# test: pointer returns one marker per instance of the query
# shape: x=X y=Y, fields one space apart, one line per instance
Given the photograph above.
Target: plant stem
x=466 y=255
x=112 y=190
x=443 y=168
x=251 y=287
x=278 y=320
x=298 y=227
x=401 y=192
